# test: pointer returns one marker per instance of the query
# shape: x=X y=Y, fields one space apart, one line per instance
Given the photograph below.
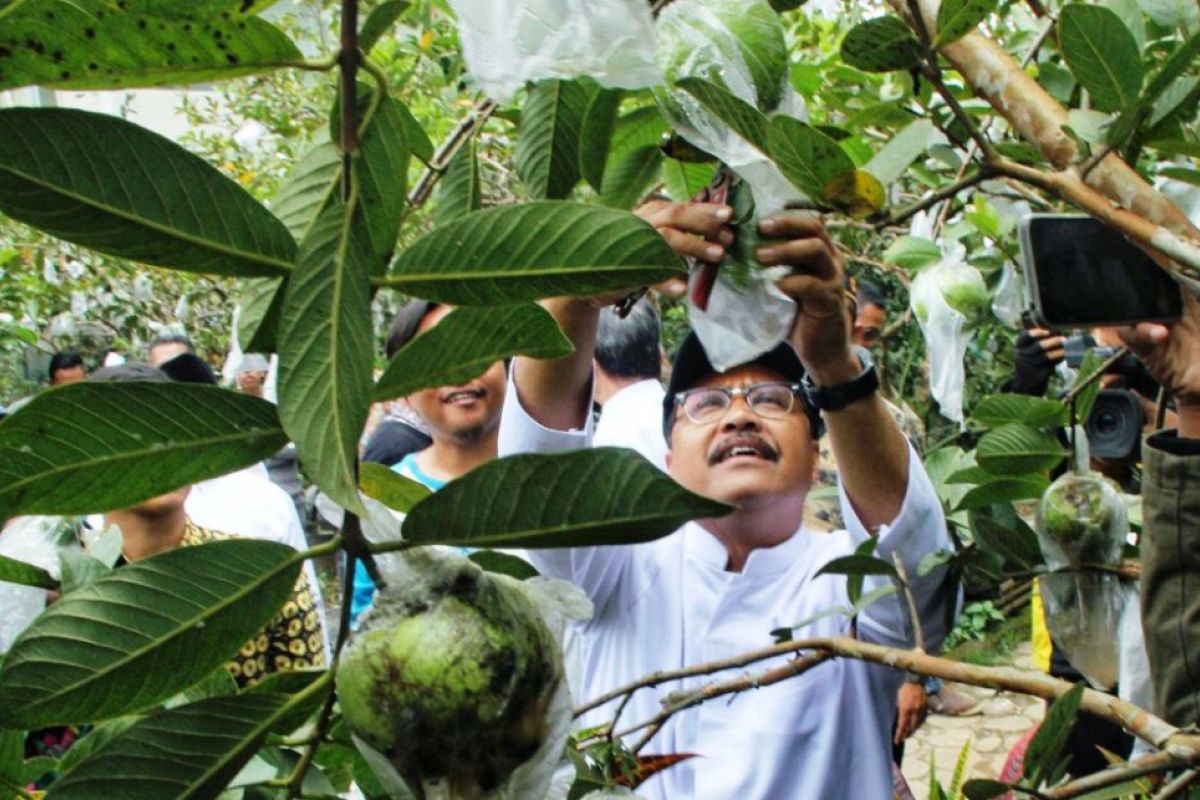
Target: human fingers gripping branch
x=693 y=230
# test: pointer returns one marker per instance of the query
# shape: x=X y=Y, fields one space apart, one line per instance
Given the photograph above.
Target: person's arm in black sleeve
x=392 y=441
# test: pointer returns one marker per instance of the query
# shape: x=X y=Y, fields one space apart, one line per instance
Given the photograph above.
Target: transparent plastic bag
x=1009 y=301
x=507 y=43
x=1084 y=612
x=33 y=540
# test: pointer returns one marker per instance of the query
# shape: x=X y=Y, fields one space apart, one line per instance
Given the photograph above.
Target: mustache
x=744 y=439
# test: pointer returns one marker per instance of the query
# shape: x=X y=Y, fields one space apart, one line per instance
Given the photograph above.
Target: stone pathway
x=992 y=734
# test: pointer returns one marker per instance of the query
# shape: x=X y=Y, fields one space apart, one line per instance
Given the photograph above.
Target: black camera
x=1114 y=426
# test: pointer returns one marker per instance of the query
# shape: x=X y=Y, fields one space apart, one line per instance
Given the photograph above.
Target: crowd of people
x=760 y=436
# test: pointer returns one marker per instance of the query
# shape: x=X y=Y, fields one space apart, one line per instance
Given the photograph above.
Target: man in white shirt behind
x=717 y=587
x=628 y=362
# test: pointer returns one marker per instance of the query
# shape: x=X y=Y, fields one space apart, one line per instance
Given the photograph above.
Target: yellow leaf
x=426 y=40
x=856 y=193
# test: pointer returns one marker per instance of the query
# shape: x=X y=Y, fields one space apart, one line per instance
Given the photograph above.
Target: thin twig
x=1178 y=786
x=1095 y=376
x=914 y=615
x=462 y=132
x=348 y=60
x=933 y=198
x=1138 y=768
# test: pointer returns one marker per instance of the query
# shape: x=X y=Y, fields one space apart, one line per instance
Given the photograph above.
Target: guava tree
x=138 y=652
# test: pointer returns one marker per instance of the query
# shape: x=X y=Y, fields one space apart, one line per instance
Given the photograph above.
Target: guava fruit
x=960 y=285
x=1084 y=517
x=451 y=678
x=737 y=44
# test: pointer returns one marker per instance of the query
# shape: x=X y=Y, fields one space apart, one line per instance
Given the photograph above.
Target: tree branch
x=348 y=60
x=933 y=198
x=1146 y=765
x=913 y=614
x=1178 y=786
x=462 y=132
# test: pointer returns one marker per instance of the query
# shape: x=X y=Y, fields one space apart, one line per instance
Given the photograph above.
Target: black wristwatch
x=835 y=398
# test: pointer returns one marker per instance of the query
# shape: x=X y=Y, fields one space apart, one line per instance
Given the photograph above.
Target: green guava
x=1084 y=516
x=452 y=679
x=717 y=39
x=960 y=285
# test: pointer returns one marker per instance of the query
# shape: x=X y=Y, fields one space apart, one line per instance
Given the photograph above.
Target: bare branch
x=1178 y=786
x=913 y=614
x=933 y=198
x=463 y=131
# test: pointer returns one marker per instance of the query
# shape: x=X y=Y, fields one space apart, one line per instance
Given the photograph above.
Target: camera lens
x=1114 y=427
x=1106 y=422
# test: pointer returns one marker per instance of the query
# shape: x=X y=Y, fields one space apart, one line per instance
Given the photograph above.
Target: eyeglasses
x=768 y=400
x=868 y=335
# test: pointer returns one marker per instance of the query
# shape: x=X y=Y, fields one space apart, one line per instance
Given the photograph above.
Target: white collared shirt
x=633 y=418
x=671 y=603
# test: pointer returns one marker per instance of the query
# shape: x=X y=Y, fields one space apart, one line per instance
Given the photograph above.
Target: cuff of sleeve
x=1171 y=443
x=521 y=433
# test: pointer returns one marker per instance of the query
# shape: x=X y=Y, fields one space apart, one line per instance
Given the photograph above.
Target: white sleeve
x=595 y=570
x=918 y=530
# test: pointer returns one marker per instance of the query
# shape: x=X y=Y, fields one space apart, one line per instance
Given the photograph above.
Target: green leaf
x=1181 y=174
x=805 y=156
x=504 y=564
x=458 y=193
x=104 y=183
x=627 y=180
x=513 y=254
x=1017 y=449
x=12 y=757
x=415 y=136
x=641 y=127
x=744 y=119
x=1036 y=412
x=393 y=490
x=1017 y=543
x=14 y=571
x=684 y=179
x=1102 y=54
x=79 y=569
x=1047 y=745
x=88 y=447
x=467 y=343
x=260 y=301
x=894 y=158
x=143 y=633
x=984 y=789
x=598 y=126
x=100 y=734
x=1085 y=398
x=912 y=253
x=858 y=565
x=547 y=500
x=957 y=18
x=882 y=44
x=1167 y=78
x=189 y=752
x=1003 y=490
x=1173 y=13
x=98 y=44
x=547 y=156
x=295 y=681
x=380 y=22
x=325 y=353
x=310 y=188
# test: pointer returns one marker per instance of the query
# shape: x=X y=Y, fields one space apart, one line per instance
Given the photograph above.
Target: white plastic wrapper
x=1083 y=612
x=1009 y=301
x=740 y=324
x=33 y=540
x=946 y=339
x=507 y=43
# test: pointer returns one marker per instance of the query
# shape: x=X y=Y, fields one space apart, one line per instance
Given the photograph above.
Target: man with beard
x=716 y=588
x=463 y=423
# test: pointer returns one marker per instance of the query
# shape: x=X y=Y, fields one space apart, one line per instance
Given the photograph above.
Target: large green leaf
x=311 y=187
x=14 y=571
x=641 y=127
x=539 y=500
x=805 y=156
x=260 y=301
x=1102 y=54
x=882 y=44
x=1017 y=449
x=957 y=18
x=1017 y=542
x=627 y=180
x=326 y=353
x=184 y=753
x=1167 y=78
x=513 y=254
x=1002 y=490
x=895 y=157
x=1173 y=13
x=459 y=192
x=143 y=632
x=547 y=157
x=743 y=118
x=106 y=44
x=684 y=179
x=380 y=22
x=107 y=184
x=1001 y=409
x=393 y=490
x=599 y=123
x=1046 y=748
x=90 y=447
x=466 y=343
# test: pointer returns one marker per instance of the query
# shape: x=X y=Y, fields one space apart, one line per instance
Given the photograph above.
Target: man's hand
x=821 y=332
x=1171 y=351
x=1035 y=355
x=693 y=230
x=910 y=710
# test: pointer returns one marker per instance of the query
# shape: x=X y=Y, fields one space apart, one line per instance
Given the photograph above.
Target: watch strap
x=837 y=397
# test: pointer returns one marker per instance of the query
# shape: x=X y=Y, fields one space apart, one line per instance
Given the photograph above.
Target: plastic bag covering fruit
x=959 y=284
x=507 y=43
x=451 y=677
x=1081 y=521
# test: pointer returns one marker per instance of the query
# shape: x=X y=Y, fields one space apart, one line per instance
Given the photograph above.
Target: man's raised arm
x=557 y=394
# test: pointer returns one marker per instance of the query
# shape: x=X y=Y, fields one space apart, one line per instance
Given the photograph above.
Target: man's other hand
x=1171 y=351
x=910 y=710
x=693 y=230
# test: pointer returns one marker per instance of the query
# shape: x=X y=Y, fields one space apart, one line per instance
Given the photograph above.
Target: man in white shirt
x=717 y=587
x=628 y=370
